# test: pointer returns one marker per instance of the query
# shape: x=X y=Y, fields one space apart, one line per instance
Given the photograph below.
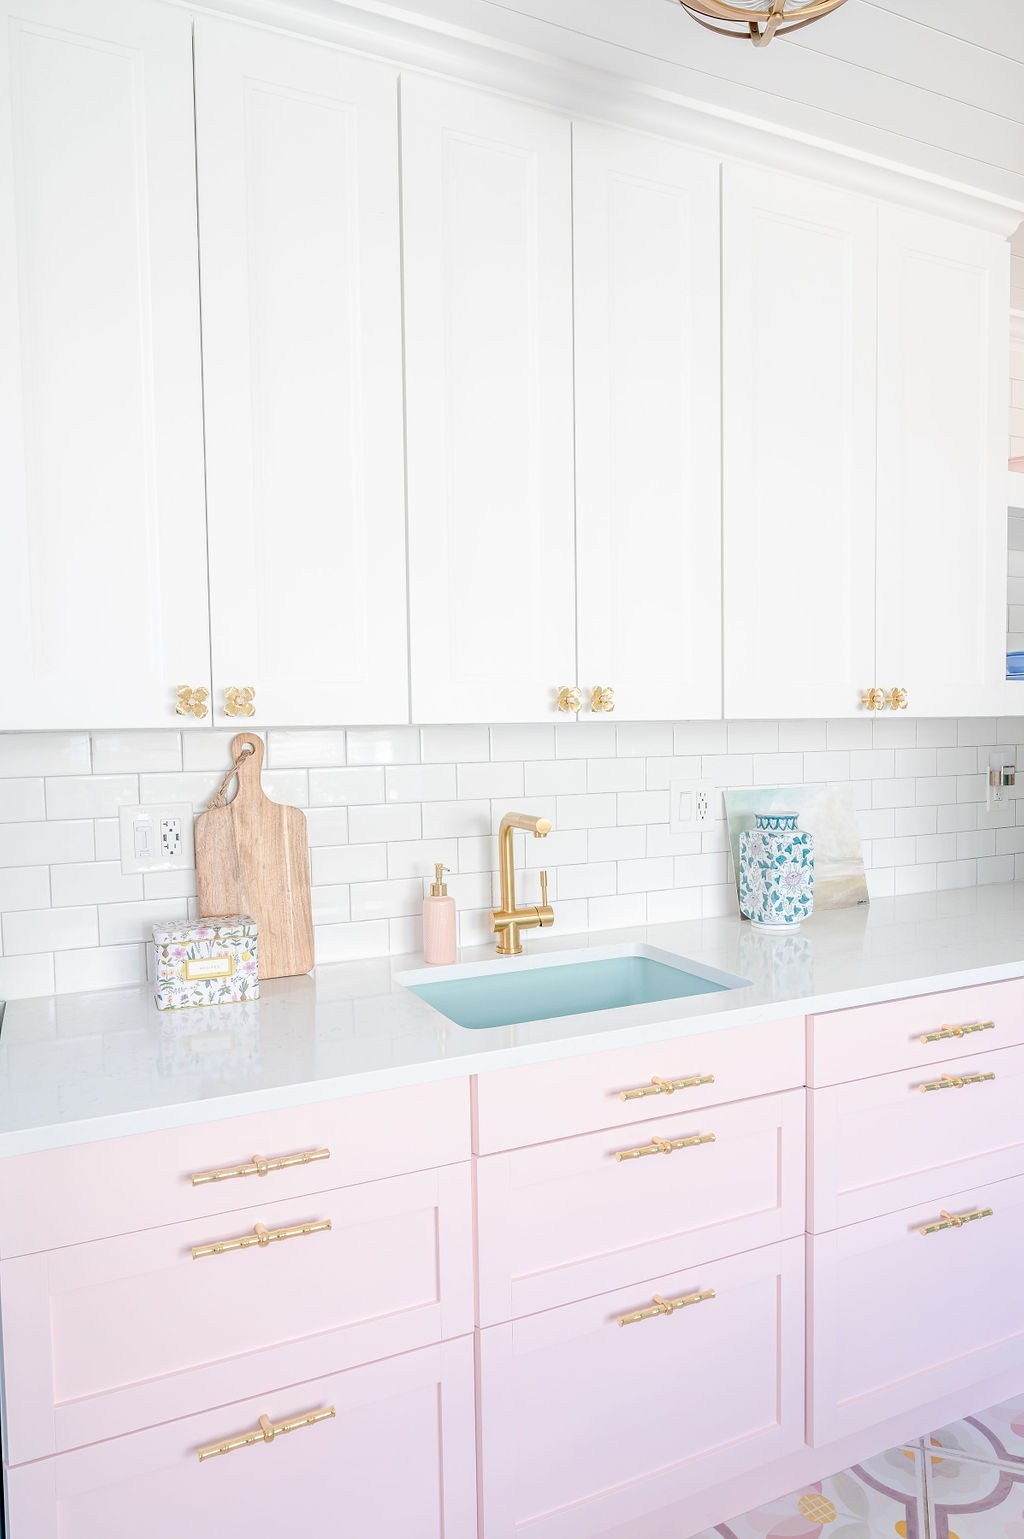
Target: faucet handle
x=544 y=889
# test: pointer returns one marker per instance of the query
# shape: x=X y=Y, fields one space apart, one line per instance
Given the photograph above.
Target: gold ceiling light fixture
x=755 y=19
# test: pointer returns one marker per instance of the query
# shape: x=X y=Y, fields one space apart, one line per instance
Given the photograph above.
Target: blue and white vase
x=776 y=872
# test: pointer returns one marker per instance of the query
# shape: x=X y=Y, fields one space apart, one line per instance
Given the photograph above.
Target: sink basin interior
x=511 y=993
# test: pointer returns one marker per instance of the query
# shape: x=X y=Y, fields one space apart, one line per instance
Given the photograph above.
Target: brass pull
x=239 y=702
x=192 y=702
x=662 y=1306
x=660 y=1086
x=602 y=699
x=956 y=1081
x=947 y=1033
x=896 y=699
x=258 y=1166
x=665 y=1146
x=569 y=698
x=261 y=1237
x=266 y=1432
x=873 y=699
x=956 y=1220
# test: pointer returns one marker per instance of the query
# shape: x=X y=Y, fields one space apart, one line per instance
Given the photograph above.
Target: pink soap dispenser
x=439 y=921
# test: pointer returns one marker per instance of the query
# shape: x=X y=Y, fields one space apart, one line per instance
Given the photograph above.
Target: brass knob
x=569 y=698
x=873 y=699
x=602 y=698
x=239 y=702
x=192 y=702
x=896 y=700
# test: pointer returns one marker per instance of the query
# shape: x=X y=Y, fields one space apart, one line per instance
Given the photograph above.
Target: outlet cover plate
x=691 y=806
x=157 y=838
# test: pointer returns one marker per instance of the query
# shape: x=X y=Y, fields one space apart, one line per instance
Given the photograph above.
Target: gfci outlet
x=157 y=838
x=691 y=805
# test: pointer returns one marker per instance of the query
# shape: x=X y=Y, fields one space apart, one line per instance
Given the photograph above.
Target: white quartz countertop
x=80 y=1067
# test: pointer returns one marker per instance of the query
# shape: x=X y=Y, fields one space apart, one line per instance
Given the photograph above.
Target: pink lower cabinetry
x=588 y=1424
x=396 y=1461
x=902 y=1318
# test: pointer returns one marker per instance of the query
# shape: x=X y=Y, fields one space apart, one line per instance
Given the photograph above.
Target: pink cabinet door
x=542 y=1101
x=914 y=1033
x=64 y=1196
x=571 y=1219
x=586 y=1423
x=104 y=1338
x=396 y=1461
x=882 y=1144
x=901 y=1318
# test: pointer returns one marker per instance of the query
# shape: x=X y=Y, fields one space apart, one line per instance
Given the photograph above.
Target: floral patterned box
x=210 y=961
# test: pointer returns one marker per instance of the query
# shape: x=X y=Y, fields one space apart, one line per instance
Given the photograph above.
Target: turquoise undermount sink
x=539 y=988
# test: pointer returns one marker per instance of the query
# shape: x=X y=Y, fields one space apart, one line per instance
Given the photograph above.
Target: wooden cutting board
x=252 y=857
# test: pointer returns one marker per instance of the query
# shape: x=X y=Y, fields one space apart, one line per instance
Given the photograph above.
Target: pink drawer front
x=915 y=1033
x=882 y=1144
x=567 y=1220
x=587 y=1424
x=64 y=1196
x=542 y=1101
x=103 y=1338
x=396 y=1459
x=901 y=1318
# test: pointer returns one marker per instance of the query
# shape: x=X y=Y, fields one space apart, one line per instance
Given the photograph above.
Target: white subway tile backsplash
x=363 y=786
x=48 y=929
x=45 y=844
x=387 y=803
x=21 y=800
x=44 y=753
x=93 y=881
x=419 y=783
x=90 y=796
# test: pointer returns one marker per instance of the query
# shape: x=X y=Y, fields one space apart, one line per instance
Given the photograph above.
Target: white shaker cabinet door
x=648 y=452
x=488 y=312
x=299 y=237
x=943 y=296
x=102 y=535
x=798 y=298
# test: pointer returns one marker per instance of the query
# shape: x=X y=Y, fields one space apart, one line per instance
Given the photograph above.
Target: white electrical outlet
x=157 y=838
x=691 y=806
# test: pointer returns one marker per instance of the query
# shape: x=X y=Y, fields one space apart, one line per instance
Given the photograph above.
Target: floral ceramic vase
x=776 y=872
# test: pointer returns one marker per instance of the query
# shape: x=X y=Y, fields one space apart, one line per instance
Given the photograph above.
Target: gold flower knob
x=602 y=698
x=239 y=702
x=873 y=699
x=569 y=698
x=192 y=702
x=896 y=700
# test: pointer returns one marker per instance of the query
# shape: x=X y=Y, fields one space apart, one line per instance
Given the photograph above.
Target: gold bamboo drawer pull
x=266 y=1432
x=261 y=1237
x=662 y=1306
x=955 y=1220
x=956 y=1081
x=950 y=1033
x=258 y=1166
x=665 y=1146
x=660 y=1086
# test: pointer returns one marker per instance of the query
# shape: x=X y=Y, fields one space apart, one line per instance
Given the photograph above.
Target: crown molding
x=450 y=43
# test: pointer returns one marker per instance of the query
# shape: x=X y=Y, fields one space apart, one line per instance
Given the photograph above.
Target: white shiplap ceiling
x=937 y=85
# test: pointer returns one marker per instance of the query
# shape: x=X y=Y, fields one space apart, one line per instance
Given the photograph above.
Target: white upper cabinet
x=943 y=301
x=488 y=313
x=102 y=536
x=799 y=310
x=302 y=359
x=648 y=452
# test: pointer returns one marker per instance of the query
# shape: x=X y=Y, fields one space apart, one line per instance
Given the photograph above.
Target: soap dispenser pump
x=439 y=921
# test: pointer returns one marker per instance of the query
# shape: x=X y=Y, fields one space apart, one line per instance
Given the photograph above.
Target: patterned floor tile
x=971 y=1500
x=880 y=1499
x=994 y=1434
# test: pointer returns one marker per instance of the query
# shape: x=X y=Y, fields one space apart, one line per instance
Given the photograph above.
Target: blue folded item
x=1015 y=665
